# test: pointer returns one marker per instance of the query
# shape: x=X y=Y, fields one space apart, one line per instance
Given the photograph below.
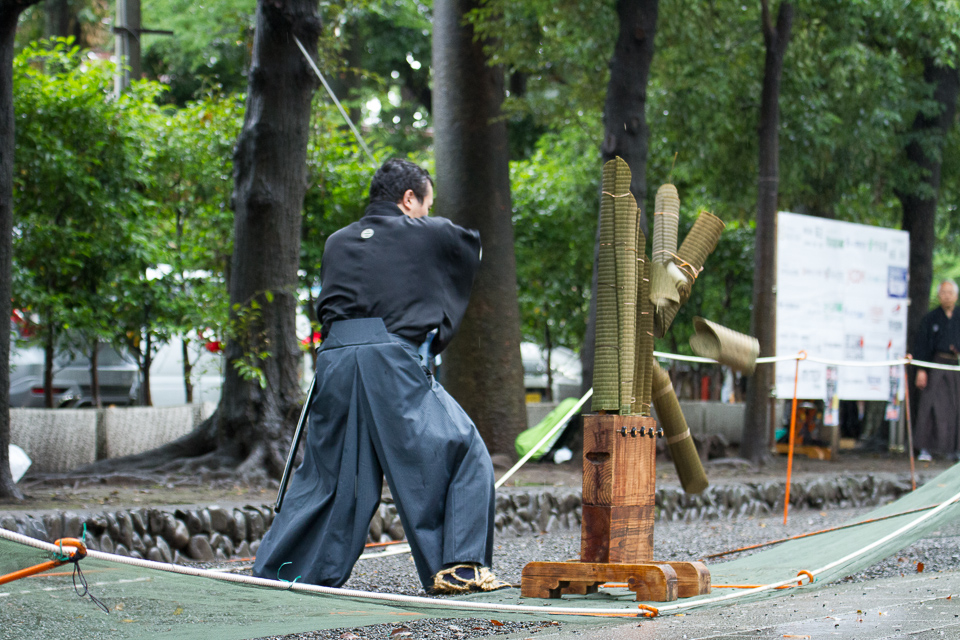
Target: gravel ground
x=674 y=540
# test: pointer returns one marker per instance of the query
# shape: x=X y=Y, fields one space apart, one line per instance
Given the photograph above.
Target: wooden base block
x=651 y=582
x=693 y=578
x=619 y=489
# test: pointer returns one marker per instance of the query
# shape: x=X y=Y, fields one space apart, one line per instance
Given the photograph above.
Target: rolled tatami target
x=666 y=219
x=643 y=360
x=625 y=251
x=728 y=347
x=606 y=363
x=699 y=243
x=675 y=430
x=664 y=296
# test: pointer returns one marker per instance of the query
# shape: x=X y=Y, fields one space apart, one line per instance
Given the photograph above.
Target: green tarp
x=528 y=439
x=153 y=603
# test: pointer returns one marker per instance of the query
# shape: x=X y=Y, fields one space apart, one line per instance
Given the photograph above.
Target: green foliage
x=387 y=51
x=179 y=290
x=339 y=174
x=209 y=48
x=78 y=188
x=246 y=330
x=722 y=288
x=560 y=48
x=555 y=195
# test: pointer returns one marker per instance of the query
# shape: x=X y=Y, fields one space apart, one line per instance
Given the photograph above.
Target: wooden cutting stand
x=616 y=545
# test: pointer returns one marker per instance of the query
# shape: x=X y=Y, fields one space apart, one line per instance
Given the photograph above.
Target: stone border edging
x=218 y=533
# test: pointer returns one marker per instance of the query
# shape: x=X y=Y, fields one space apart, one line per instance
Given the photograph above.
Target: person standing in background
x=938 y=340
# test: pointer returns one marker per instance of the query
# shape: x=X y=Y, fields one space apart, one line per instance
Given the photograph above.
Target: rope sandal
x=466 y=578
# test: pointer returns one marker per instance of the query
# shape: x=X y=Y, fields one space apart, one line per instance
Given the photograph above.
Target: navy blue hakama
x=377 y=413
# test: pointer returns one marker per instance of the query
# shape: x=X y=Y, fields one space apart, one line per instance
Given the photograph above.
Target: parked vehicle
x=119 y=377
x=166 y=374
x=566 y=369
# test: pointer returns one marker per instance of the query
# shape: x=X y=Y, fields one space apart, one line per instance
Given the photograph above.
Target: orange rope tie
x=814 y=533
x=802 y=355
x=746 y=586
x=622 y=195
x=371 y=545
x=758 y=586
x=683 y=265
x=79 y=552
x=804 y=572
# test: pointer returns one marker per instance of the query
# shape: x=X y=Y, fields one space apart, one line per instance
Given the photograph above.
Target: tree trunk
x=9 y=14
x=755 y=441
x=60 y=21
x=253 y=422
x=252 y=425
x=624 y=113
x=548 y=347
x=187 y=370
x=346 y=84
x=95 y=374
x=625 y=128
x=919 y=204
x=48 y=354
x=147 y=363
x=481 y=368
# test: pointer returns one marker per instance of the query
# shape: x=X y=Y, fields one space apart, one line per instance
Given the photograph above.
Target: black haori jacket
x=413 y=273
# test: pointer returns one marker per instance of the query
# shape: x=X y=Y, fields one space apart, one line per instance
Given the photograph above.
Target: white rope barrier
x=562 y=423
x=802 y=356
x=445 y=604
x=859 y=552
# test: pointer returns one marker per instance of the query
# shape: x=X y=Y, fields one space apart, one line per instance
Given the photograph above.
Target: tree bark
x=919 y=203
x=253 y=422
x=187 y=370
x=147 y=363
x=60 y=21
x=481 y=368
x=9 y=14
x=755 y=441
x=251 y=428
x=625 y=128
x=48 y=353
x=95 y=374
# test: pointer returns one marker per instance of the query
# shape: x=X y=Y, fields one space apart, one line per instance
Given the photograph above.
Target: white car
x=566 y=369
x=166 y=374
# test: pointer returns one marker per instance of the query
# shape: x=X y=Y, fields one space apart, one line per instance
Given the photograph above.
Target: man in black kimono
x=388 y=282
x=938 y=340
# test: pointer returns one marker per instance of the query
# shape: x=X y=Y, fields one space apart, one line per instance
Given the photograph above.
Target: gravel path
x=674 y=540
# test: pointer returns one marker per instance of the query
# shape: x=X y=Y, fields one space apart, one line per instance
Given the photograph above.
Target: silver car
x=119 y=378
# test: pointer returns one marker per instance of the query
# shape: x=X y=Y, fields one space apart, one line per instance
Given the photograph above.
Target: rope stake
x=60 y=558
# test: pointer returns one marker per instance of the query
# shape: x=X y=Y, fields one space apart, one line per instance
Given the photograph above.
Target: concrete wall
x=64 y=439
x=58 y=440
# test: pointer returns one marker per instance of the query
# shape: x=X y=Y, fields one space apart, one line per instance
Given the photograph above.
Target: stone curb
x=218 y=533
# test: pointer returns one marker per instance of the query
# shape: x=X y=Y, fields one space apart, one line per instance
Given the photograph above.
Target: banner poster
x=841 y=296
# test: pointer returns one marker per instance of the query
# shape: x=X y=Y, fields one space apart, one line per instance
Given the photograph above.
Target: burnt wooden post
x=616 y=534
x=619 y=475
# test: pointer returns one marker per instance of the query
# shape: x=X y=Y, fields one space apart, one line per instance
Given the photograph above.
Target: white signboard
x=841 y=295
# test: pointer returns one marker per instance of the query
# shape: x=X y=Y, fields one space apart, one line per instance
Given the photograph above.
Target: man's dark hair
x=394 y=178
